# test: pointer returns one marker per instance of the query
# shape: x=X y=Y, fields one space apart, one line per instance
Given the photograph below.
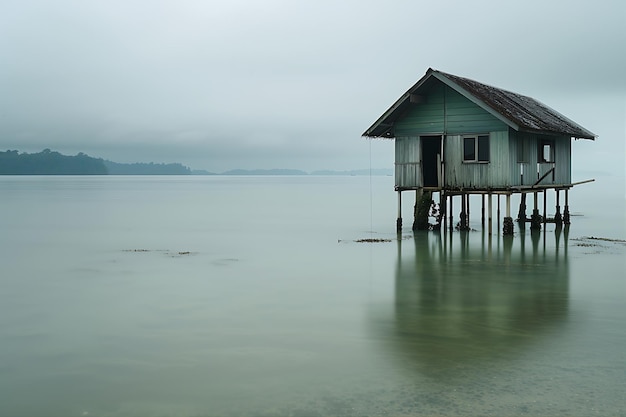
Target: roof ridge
x=447 y=74
x=519 y=111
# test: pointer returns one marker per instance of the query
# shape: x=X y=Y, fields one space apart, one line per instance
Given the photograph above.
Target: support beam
x=550 y=171
x=521 y=215
x=508 y=205
x=423 y=201
x=441 y=220
x=467 y=210
x=508 y=220
x=545 y=205
x=535 y=219
x=490 y=209
x=566 y=219
x=451 y=216
x=442 y=210
x=557 y=216
x=463 y=223
x=462 y=214
x=399 y=219
x=482 y=211
x=498 y=211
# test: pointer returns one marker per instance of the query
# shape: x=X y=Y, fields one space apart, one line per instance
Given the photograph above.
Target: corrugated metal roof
x=522 y=113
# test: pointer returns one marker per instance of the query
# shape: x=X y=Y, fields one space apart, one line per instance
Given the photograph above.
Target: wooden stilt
x=482 y=211
x=463 y=216
x=451 y=217
x=467 y=210
x=508 y=205
x=462 y=213
x=557 y=216
x=498 y=212
x=535 y=219
x=545 y=204
x=399 y=219
x=508 y=220
x=521 y=215
x=566 y=219
x=423 y=201
x=442 y=210
x=490 y=221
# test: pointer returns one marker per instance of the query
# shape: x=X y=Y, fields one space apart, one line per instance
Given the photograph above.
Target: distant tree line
x=151 y=168
x=49 y=162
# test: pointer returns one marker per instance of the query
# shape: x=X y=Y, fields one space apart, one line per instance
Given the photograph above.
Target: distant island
x=264 y=172
x=48 y=162
x=299 y=172
x=137 y=168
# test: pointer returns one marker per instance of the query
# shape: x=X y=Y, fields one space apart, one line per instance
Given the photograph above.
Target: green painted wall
x=408 y=168
x=532 y=170
x=445 y=110
x=459 y=174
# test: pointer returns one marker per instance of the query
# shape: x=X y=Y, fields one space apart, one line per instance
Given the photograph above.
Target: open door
x=431 y=154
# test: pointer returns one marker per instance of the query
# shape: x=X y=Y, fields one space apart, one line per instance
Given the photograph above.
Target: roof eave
x=395 y=107
x=380 y=121
x=574 y=135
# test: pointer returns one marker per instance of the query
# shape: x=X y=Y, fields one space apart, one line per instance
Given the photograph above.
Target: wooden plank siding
x=408 y=170
x=445 y=110
x=532 y=168
x=471 y=175
x=426 y=117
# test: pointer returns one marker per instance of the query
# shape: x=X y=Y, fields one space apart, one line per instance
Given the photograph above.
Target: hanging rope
x=371 y=193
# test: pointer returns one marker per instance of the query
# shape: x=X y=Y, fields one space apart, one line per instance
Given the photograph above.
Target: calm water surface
x=218 y=296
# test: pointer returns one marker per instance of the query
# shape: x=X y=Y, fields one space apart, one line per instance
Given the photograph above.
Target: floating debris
x=605 y=239
x=586 y=245
x=224 y=261
x=375 y=240
x=166 y=252
x=602 y=244
x=595 y=241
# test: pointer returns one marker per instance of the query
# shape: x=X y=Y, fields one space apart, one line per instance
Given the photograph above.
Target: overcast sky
x=228 y=84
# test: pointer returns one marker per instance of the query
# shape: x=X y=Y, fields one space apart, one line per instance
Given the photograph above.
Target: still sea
x=255 y=296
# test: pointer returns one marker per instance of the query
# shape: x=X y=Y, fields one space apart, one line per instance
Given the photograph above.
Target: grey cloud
x=279 y=82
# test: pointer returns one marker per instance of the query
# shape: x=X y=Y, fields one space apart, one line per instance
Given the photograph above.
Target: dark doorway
x=431 y=153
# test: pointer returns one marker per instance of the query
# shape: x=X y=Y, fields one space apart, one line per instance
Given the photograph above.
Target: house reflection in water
x=461 y=305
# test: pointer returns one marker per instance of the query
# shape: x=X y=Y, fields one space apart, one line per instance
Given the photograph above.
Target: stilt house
x=457 y=136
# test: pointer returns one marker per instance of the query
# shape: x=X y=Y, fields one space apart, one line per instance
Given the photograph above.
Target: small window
x=546 y=151
x=469 y=149
x=483 y=148
x=476 y=148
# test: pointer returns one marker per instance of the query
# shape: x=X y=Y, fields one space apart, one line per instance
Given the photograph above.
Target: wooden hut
x=458 y=137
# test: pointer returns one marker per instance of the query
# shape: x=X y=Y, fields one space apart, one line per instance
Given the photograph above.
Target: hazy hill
x=115 y=168
x=48 y=162
x=264 y=172
x=383 y=171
